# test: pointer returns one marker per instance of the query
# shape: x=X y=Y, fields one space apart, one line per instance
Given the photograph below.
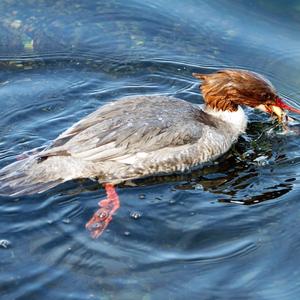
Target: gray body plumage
x=130 y=138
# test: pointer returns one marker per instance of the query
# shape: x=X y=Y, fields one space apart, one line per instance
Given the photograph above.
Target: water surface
x=228 y=231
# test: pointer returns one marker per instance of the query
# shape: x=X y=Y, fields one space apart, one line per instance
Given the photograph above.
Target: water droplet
x=5 y=243
x=126 y=233
x=198 y=186
x=249 y=153
x=262 y=160
x=136 y=215
x=16 y=24
x=66 y=221
x=142 y=196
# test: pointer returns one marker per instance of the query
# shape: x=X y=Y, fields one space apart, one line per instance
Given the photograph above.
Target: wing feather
x=120 y=130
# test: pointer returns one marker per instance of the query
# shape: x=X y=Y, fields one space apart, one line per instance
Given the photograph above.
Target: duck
x=146 y=135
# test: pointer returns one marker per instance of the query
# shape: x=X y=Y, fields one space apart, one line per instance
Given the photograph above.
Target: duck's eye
x=268 y=99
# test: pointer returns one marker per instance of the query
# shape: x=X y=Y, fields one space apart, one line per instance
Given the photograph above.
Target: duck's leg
x=101 y=218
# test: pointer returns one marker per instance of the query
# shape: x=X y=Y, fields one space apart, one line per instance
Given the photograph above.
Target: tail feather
x=17 y=178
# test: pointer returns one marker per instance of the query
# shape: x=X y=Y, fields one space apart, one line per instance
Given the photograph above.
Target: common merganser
x=140 y=136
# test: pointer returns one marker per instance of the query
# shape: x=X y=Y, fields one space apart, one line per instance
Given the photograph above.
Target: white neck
x=236 y=119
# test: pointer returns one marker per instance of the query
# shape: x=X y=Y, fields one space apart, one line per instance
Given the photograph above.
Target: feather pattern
x=130 y=138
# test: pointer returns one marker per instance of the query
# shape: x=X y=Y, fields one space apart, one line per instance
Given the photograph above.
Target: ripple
x=192 y=239
x=211 y=255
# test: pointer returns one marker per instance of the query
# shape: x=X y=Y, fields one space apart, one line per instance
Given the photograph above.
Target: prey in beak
x=278 y=109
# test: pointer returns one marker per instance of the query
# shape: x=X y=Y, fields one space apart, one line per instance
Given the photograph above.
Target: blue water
x=228 y=231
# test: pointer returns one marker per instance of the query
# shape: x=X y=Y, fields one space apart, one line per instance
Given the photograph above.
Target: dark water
x=198 y=236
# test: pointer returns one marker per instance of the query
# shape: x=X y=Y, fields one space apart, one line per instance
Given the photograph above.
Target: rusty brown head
x=227 y=89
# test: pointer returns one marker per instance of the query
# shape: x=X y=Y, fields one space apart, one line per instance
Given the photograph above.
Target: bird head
x=227 y=89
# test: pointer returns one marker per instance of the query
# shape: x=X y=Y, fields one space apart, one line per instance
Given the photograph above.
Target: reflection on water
x=193 y=237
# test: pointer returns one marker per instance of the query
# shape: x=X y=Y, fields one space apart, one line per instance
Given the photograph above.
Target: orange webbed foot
x=103 y=216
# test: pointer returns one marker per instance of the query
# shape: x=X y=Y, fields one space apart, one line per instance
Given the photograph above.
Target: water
x=228 y=231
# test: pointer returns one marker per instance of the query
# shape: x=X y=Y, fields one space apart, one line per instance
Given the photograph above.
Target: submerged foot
x=102 y=217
